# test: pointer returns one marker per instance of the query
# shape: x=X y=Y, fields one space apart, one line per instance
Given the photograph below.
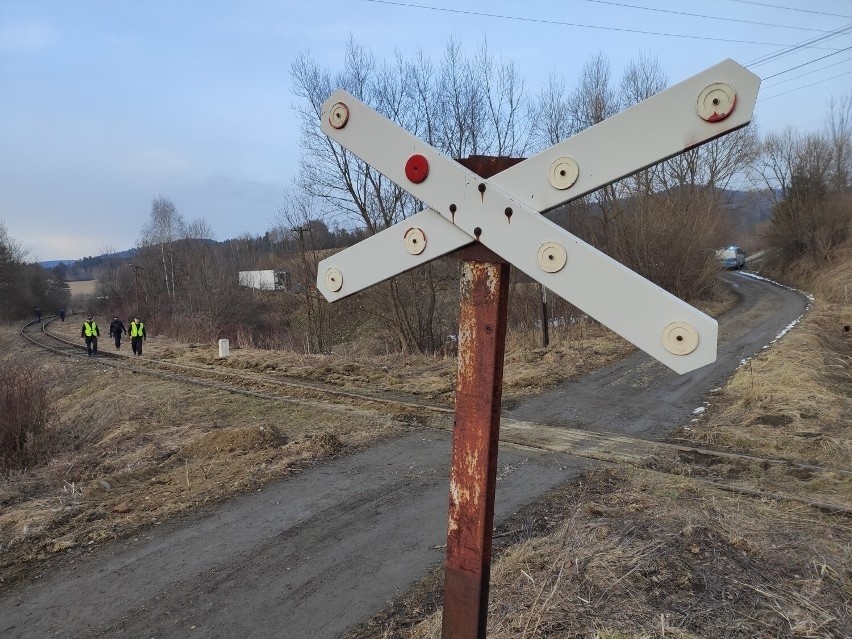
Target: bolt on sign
x=502 y=213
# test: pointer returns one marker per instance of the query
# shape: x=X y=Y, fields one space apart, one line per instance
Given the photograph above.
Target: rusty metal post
x=473 y=476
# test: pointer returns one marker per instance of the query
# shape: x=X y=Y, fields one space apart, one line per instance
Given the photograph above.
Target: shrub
x=25 y=413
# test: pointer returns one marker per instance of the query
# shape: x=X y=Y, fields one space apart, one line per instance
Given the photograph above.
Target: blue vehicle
x=731 y=257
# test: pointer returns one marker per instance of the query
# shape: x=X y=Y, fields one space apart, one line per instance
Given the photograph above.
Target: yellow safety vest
x=136 y=329
x=91 y=328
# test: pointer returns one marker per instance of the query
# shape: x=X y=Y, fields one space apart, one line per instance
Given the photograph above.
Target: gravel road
x=640 y=397
x=306 y=557
x=315 y=554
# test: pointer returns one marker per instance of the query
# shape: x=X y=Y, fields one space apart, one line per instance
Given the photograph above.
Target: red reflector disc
x=417 y=168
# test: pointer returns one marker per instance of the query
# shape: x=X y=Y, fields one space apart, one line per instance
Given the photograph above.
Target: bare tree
x=713 y=165
x=506 y=100
x=161 y=231
x=812 y=215
x=179 y=252
x=193 y=267
x=462 y=113
x=549 y=114
x=839 y=133
x=115 y=283
x=778 y=157
x=344 y=186
x=463 y=105
x=12 y=258
x=594 y=99
x=642 y=79
x=294 y=217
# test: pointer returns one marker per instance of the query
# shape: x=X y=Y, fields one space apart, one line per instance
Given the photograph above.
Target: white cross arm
x=673 y=332
x=419 y=239
x=670 y=122
x=681 y=337
x=599 y=150
x=665 y=327
x=674 y=120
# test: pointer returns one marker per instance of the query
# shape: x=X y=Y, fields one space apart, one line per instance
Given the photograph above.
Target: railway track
x=242 y=382
x=606 y=447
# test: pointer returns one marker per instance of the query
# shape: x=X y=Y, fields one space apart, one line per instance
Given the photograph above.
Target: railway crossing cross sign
x=502 y=212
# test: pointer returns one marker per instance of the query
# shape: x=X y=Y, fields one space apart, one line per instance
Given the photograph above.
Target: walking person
x=90 y=333
x=37 y=312
x=62 y=314
x=137 y=335
x=116 y=328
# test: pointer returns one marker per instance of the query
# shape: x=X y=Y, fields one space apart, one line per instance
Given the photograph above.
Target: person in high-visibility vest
x=137 y=335
x=90 y=333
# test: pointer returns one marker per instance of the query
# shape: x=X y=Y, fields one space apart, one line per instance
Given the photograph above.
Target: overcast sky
x=106 y=105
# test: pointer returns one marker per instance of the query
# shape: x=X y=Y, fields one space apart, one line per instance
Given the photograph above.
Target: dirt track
x=307 y=557
x=314 y=555
x=642 y=398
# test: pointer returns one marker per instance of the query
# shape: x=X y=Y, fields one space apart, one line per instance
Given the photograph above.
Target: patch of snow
x=792 y=324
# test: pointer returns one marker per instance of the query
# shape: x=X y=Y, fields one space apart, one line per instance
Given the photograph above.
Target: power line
x=701 y=15
x=777 y=6
x=481 y=14
x=804 y=64
x=778 y=95
x=802 y=75
x=802 y=45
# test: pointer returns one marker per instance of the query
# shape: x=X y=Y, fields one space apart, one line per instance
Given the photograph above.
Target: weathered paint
x=482 y=339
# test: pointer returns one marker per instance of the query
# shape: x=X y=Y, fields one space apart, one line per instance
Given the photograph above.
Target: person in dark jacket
x=137 y=335
x=90 y=333
x=62 y=314
x=116 y=328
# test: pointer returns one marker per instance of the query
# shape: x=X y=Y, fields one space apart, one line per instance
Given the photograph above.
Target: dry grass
x=83 y=288
x=574 y=350
x=634 y=553
x=136 y=451
x=639 y=555
x=25 y=414
x=793 y=401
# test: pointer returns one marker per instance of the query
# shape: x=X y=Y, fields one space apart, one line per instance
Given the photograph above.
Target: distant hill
x=120 y=255
x=55 y=263
x=84 y=268
x=749 y=208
